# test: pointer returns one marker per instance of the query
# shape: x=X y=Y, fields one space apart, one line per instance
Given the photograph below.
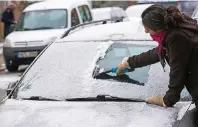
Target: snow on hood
x=40 y=35
x=16 y=113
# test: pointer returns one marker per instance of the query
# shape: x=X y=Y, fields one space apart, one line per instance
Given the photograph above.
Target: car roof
x=136 y=10
x=128 y=30
x=62 y=4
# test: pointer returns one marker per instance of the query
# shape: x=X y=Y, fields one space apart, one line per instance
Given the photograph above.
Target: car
x=185 y=6
x=109 y=13
x=40 y=24
x=77 y=87
x=135 y=11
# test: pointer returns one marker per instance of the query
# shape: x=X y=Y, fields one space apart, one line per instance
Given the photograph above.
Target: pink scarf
x=159 y=37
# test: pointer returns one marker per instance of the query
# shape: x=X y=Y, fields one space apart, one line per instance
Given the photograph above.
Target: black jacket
x=7 y=17
x=180 y=50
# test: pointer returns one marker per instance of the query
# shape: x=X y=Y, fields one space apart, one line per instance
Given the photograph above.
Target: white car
x=108 y=13
x=40 y=24
x=65 y=87
x=135 y=11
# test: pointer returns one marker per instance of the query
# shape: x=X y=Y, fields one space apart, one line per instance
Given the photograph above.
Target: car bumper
x=10 y=54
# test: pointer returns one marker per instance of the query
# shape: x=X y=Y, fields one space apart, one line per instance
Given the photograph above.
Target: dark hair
x=158 y=17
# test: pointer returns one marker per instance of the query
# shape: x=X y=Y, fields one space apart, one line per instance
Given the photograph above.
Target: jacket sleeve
x=5 y=18
x=144 y=59
x=179 y=52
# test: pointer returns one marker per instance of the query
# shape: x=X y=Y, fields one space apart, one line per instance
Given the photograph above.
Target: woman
x=177 y=36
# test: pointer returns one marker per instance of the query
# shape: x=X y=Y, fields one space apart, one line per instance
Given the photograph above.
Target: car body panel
x=37 y=37
x=21 y=113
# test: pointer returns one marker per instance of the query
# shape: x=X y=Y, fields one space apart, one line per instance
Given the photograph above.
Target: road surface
x=6 y=77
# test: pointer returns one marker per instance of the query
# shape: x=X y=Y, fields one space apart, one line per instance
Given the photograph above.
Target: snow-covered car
x=65 y=87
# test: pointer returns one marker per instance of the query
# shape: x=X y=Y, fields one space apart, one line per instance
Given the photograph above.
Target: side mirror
x=10 y=87
x=12 y=27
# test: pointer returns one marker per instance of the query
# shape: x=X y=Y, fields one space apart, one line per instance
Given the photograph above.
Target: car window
x=42 y=19
x=195 y=13
x=74 y=18
x=85 y=13
x=188 y=7
x=116 y=53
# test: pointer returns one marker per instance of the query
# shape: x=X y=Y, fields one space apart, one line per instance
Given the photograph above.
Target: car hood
x=35 y=35
x=25 y=113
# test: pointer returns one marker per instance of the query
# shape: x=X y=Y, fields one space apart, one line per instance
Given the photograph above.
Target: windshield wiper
x=39 y=98
x=41 y=28
x=105 y=98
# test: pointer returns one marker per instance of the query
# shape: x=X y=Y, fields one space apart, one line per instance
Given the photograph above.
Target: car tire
x=12 y=67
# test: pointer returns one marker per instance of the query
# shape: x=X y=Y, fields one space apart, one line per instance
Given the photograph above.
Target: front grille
x=20 y=44
x=28 y=43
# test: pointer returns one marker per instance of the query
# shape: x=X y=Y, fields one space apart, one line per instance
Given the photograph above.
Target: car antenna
x=184 y=113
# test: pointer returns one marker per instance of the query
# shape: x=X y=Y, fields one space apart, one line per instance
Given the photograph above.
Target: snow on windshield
x=65 y=71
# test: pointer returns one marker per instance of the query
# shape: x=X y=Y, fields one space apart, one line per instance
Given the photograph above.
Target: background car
x=108 y=13
x=40 y=24
x=135 y=11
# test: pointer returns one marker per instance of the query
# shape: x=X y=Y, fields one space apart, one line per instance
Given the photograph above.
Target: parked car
x=185 y=6
x=135 y=11
x=108 y=13
x=72 y=90
x=40 y=24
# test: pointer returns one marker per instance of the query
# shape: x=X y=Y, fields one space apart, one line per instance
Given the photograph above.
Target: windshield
x=42 y=19
x=70 y=65
x=116 y=53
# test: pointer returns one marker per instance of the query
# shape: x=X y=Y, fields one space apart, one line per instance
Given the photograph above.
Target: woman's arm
x=144 y=59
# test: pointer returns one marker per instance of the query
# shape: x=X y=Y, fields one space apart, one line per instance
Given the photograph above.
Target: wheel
x=12 y=68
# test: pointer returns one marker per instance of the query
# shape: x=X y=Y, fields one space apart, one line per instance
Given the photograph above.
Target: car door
x=74 y=17
x=85 y=13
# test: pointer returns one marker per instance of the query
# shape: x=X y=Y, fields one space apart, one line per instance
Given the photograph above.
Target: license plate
x=26 y=54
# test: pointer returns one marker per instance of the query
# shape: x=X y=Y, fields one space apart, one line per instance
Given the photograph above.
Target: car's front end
x=34 y=31
x=20 y=50
x=32 y=113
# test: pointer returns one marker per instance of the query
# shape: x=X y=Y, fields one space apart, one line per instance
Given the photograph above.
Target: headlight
x=49 y=40
x=7 y=43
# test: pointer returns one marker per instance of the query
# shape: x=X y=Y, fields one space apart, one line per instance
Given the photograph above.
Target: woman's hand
x=157 y=100
x=122 y=66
